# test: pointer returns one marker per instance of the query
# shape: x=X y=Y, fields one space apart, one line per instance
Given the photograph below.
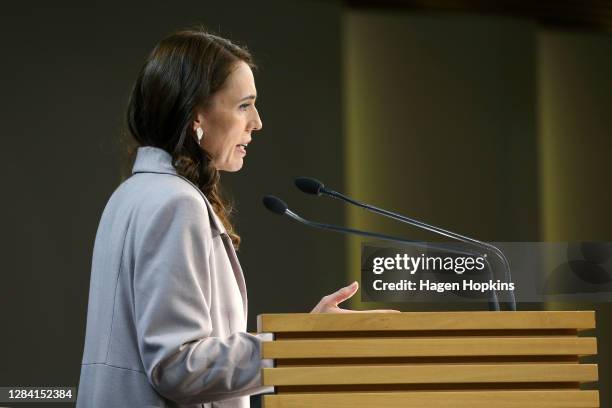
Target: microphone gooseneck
x=279 y=207
x=313 y=186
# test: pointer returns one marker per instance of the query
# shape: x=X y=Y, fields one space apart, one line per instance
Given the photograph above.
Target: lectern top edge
x=421 y=321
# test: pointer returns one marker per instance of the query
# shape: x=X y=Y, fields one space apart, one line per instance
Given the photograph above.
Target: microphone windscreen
x=309 y=185
x=275 y=204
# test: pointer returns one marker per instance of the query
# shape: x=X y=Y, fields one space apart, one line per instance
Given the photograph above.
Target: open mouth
x=242 y=147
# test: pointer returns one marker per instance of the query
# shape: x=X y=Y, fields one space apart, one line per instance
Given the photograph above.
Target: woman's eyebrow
x=252 y=97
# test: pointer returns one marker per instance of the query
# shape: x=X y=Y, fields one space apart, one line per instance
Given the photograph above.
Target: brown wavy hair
x=180 y=76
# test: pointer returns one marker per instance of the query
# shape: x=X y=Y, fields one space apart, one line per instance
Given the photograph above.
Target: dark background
x=491 y=122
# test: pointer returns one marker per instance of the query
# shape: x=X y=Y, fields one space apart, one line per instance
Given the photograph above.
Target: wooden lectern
x=429 y=360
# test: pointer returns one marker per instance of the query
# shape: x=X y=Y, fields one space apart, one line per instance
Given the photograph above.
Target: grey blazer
x=167 y=309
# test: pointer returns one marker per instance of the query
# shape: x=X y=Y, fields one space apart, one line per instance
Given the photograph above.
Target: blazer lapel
x=217 y=226
x=231 y=253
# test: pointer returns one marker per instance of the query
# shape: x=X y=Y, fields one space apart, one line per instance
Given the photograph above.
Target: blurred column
x=574 y=111
x=575 y=118
x=440 y=124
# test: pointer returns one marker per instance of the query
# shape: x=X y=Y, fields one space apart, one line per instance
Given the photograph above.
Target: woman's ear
x=198 y=121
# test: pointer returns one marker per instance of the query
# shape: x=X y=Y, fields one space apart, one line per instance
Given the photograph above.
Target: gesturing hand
x=329 y=303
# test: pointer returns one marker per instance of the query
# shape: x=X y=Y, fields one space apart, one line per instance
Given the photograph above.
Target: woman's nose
x=257 y=124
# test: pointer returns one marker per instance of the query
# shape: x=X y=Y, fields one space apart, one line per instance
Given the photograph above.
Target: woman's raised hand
x=329 y=303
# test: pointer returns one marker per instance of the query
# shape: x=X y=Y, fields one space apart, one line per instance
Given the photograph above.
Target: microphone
x=313 y=186
x=279 y=207
x=275 y=204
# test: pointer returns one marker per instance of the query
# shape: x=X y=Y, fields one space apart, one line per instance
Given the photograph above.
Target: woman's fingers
x=342 y=294
x=329 y=303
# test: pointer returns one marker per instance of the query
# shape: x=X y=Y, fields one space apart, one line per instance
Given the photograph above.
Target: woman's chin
x=232 y=167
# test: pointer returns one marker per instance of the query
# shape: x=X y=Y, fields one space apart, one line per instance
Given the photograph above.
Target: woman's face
x=229 y=119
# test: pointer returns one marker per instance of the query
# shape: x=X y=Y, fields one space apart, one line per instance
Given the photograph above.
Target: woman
x=167 y=303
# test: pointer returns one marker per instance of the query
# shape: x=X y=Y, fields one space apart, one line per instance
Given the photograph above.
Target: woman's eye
x=244 y=106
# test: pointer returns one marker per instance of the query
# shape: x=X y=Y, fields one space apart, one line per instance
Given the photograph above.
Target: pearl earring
x=200 y=134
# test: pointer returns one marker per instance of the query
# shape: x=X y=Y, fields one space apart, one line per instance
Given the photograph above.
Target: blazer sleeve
x=183 y=362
